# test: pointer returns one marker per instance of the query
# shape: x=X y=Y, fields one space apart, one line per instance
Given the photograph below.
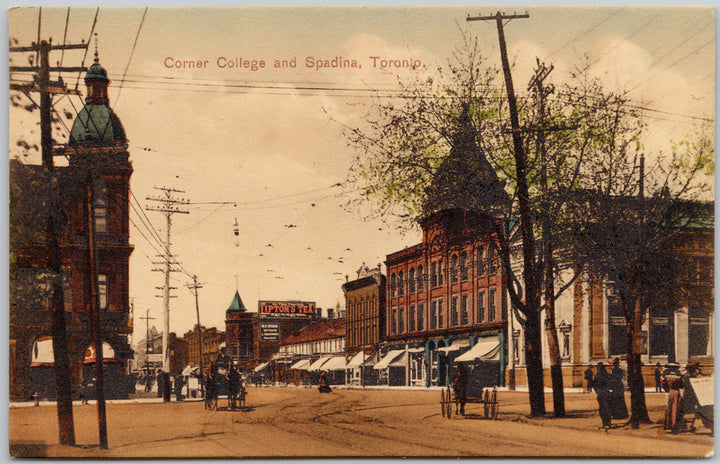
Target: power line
x=132 y=52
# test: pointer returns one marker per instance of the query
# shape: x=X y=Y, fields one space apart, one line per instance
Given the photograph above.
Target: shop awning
x=282 y=357
x=455 y=345
x=356 y=360
x=317 y=364
x=486 y=349
x=190 y=370
x=416 y=350
x=301 y=365
x=335 y=363
x=390 y=357
x=401 y=361
x=260 y=367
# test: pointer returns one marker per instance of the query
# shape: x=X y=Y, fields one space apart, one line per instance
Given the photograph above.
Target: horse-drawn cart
x=487 y=397
x=221 y=387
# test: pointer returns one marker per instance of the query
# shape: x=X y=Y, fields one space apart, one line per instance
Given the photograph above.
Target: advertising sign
x=286 y=308
x=269 y=331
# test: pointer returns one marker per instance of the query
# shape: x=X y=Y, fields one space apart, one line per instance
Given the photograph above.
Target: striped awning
x=301 y=365
x=317 y=364
x=486 y=349
x=335 y=363
x=455 y=345
x=390 y=357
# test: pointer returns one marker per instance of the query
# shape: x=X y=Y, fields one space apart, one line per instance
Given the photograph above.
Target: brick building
x=365 y=323
x=445 y=296
x=239 y=333
x=97 y=150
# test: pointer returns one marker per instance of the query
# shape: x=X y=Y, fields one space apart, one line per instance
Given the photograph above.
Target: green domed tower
x=97 y=123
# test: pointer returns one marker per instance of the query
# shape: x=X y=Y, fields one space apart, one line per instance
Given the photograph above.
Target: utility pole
x=194 y=288
x=43 y=85
x=168 y=206
x=537 y=83
x=147 y=348
x=531 y=304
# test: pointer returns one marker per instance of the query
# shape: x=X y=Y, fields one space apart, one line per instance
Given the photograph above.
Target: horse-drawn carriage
x=487 y=397
x=224 y=383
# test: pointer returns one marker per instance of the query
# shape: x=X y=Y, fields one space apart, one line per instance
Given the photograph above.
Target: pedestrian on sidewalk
x=602 y=388
x=618 y=408
x=658 y=378
x=673 y=383
x=589 y=379
x=323 y=386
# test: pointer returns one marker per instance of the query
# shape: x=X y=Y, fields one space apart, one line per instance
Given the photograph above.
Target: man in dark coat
x=459 y=386
x=602 y=388
x=589 y=379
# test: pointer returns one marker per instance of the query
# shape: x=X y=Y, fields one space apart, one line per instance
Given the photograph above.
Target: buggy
x=219 y=387
x=487 y=397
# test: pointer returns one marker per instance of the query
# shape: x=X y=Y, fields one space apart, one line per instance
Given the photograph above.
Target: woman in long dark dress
x=601 y=384
x=618 y=408
x=323 y=386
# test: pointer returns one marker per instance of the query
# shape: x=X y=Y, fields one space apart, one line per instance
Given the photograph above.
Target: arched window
x=463 y=267
x=393 y=284
x=433 y=275
x=492 y=265
x=440 y=273
x=411 y=281
x=480 y=262
x=420 y=279
x=401 y=284
x=453 y=270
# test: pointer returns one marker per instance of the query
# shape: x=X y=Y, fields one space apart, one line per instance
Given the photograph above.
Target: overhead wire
x=132 y=53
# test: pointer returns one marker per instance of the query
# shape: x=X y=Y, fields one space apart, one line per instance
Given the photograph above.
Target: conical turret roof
x=237 y=304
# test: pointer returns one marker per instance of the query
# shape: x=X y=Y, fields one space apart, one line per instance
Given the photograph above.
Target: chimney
x=330 y=312
x=318 y=313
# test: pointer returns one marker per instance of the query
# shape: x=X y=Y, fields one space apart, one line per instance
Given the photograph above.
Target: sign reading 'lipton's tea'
x=286 y=308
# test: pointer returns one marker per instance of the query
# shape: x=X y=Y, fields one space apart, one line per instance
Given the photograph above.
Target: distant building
x=239 y=333
x=275 y=321
x=365 y=322
x=317 y=347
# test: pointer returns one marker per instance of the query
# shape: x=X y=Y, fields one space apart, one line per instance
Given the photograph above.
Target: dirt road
x=301 y=422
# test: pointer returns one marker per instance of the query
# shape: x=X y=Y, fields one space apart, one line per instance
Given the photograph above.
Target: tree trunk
x=533 y=365
x=551 y=331
x=638 y=408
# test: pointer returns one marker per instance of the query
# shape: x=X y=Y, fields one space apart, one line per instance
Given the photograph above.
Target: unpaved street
x=302 y=422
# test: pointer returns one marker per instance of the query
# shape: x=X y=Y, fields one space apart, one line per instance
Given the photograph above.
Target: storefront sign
x=269 y=331
x=286 y=308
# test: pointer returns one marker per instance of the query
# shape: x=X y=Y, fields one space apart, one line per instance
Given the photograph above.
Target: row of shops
x=420 y=364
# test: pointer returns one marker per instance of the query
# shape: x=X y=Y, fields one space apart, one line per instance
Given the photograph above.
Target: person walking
x=602 y=388
x=589 y=379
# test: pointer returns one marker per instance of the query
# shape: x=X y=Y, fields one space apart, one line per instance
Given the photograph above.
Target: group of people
x=611 y=398
x=610 y=391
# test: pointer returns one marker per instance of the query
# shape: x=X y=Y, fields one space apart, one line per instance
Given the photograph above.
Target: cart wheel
x=442 y=402
x=496 y=405
x=449 y=403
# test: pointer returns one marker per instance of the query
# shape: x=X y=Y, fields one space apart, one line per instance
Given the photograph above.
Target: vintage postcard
x=470 y=231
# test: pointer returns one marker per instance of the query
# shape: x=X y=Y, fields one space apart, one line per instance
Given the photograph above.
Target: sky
x=265 y=147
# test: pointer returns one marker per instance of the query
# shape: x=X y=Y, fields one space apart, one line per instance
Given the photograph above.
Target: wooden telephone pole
x=43 y=85
x=531 y=303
